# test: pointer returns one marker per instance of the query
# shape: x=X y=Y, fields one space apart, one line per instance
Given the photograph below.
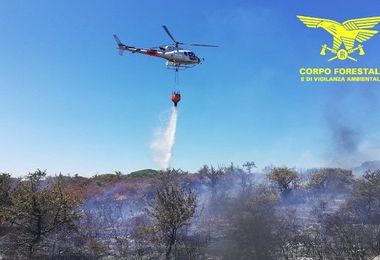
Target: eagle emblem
x=346 y=34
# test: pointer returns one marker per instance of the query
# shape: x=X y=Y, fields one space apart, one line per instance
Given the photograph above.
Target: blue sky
x=69 y=103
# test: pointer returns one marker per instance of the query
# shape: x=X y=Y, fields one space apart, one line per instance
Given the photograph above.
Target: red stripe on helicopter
x=151 y=52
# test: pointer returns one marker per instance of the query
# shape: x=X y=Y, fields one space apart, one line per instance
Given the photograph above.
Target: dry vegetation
x=217 y=213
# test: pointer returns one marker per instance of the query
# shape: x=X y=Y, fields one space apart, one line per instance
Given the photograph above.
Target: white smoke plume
x=164 y=140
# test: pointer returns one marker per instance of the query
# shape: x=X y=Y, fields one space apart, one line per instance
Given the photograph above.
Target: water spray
x=163 y=142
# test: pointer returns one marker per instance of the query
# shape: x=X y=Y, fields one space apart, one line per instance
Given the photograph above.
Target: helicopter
x=175 y=56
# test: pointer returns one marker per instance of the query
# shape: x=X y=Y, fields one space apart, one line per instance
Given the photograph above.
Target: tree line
x=217 y=213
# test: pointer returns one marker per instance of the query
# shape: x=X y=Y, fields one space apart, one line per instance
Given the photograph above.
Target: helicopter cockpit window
x=185 y=53
x=191 y=54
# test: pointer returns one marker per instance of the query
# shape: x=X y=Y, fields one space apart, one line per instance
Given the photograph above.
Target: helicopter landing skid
x=178 y=66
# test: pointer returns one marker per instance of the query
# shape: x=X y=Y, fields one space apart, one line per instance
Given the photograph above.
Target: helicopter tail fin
x=121 y=47
x=117 y=39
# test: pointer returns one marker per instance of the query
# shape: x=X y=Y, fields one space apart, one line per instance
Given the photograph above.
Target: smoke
x=347 y=139
x=164 y=140
x=346 y=135
x=351 y=122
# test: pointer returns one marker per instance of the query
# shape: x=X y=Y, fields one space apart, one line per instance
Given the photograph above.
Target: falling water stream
x=164 y=139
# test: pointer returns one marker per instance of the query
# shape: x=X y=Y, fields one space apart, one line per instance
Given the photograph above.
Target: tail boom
x=122 y=47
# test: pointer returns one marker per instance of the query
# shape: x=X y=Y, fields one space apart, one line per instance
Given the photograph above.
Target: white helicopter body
x=175 y=56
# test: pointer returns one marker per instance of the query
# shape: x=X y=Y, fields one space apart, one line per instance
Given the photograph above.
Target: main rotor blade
x=170 y=35
x=202 y=45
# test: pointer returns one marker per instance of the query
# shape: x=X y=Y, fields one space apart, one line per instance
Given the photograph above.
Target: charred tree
x=172 y=210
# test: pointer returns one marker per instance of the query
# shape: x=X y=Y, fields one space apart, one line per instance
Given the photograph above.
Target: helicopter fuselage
x=175 y=55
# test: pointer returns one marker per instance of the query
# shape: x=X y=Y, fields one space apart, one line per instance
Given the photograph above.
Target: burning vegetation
x=217 y=213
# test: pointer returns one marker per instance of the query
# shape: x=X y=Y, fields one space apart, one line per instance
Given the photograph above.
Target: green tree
x=284 y=178
x=5 y=189
x=331 y=179
x=366 y=199
x=172 y=209
x=249 y=165
x=37 y=210
x=119 y=174
x=317 y=180
x=213 y=176
x=246 y=177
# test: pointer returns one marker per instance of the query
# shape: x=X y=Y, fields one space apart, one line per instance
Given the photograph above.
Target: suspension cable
x=176 y=79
